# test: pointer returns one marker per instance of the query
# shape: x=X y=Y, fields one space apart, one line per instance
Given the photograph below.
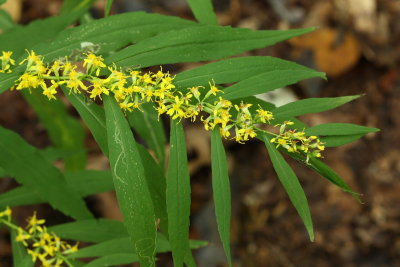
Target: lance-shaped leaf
x=266 y=82
x=109 y=34
x=113 y=260
x=94 y=230
x=178 y=195
x=310 y=105
x=337 y=134
x=147 y=124
x=83 y=182
x=94 y=117
x=64 y=130
x=74 y=5
x=319 y=167
x=203 y=11
x=121 y=245
x=221 y=191
x=339 y=140
x=235 y=69
x=291 y=184
x=27 y=165
x=199 y=43
x=329 y=174
x=16 y=39
x=339 y=129
x=108 y=8
x=130 y=183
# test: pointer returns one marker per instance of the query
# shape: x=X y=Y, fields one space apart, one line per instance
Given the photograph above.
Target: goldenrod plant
x=100 y=67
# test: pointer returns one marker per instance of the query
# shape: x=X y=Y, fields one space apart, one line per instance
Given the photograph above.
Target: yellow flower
x=22 y=237
x=264 y=115
x=7 y=212
x=6 y=56
x=31 y=59
x=34 y=223
x=93 y=63
x=27 y=81
x=126 y=106
x=98 y=89
x=50 y=91
x=74 y=82
x=6 y=62
x=34 y=254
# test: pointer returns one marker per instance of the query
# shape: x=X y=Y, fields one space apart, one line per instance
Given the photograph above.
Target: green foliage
x=150 y=128
x=221 y=191
x=39 y=175
x=203 y=11
x=64 y=131
x=291 y=184
x=6 y=21
x=130 y=183
x=178 y=195
x=152 y=195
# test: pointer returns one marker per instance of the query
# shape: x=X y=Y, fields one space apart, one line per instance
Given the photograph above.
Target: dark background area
x=357 y=45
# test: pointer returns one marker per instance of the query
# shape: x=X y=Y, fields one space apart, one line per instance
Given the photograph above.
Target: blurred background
x=357 y=43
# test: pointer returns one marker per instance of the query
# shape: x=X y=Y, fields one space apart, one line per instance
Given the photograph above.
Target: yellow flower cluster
x=46 y=247
x=133 y=88
x=295 y=141
x=6 y=62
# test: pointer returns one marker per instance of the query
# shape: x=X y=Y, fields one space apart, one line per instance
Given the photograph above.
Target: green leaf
x=326 y=172
x=339 y=129
x=150 y=128
x=130 y=183
x=156 y=182
x=291 y=184
x=74 y=5
x=198 y=43
x=2 y=173
x=122 y=245
x=203 y=11
x=235 y=69
x=113 y=260
x=2 y=1
x=52 y=154
x=64 y=130
x=94 y=230
x=178 y=195
x=321 y=168
x=20 y=38
x=93 y=116
x=7 y=80
x=266 y=82
x=26 y=164
x=221 y=191
x=20 y=257
x=107 y=9
x=310 y=105
x=6 y=21
x=109 y=34
x=339 y=140
x=84 y=183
